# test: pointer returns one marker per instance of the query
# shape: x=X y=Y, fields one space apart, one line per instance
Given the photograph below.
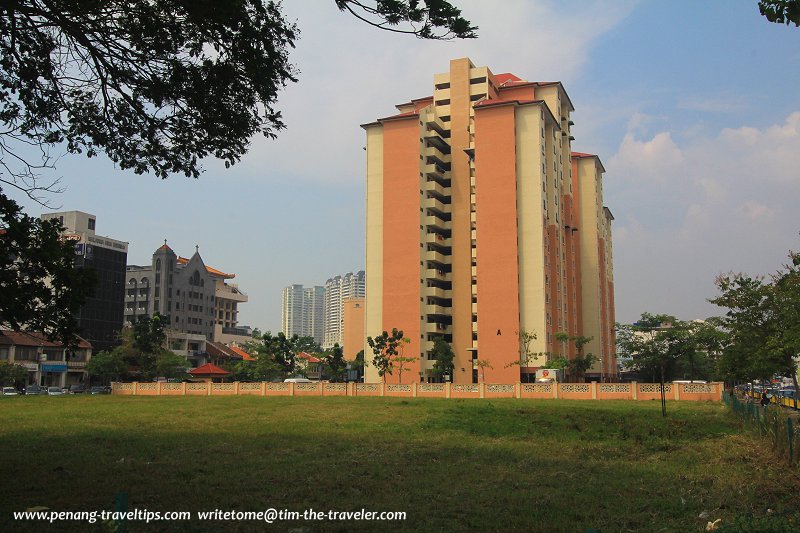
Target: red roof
x=308 y=357
x=183 y=261
x=581 y=154
x=29 y=338
x=245 y=356
x=505 y=77
x=208 y=370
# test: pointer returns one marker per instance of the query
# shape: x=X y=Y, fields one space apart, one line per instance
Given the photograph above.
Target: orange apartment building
x=481 y=223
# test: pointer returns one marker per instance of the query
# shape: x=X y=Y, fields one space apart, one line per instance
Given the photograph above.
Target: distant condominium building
x=337 y=290
x=302 y=312
x=100 y=318
x=483 y=223
x=198 y=298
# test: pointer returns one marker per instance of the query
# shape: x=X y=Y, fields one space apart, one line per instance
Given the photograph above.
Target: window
x=91 y=224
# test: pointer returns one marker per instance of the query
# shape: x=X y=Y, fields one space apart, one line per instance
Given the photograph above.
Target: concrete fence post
x=183 y=388
x=556 y=386
x=135 y=387
x=158 y=388
x=263 y=388
x=236 y=388
x=634 y=390
x=208 y=387
x=517 y=390
x=350 y=387
x=383 y=388
x=677 y=390
x=594 y=390
x=414 y=389
x=291 y=389
x=321 y=388
x=447 y=387
x=482 y=389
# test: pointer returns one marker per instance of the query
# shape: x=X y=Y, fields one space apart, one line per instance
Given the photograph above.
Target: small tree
x=11 y=374
x=170 y=365
x=107 y=366
x=443 y=354
x=483 y=364
x=385 y=348
x=335 y=364
x=282 y=349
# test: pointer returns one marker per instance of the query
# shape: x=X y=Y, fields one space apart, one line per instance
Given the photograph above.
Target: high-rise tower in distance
x=482 y=223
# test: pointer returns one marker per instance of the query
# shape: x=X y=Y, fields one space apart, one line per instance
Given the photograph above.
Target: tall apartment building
x=302 y=312
x=198 y=298
x=482 y=222
x=337 y=290
x=100 y=319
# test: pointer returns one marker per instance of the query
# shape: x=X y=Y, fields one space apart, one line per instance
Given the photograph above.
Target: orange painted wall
x=353 y=327
x=496 y=236
x=401 y=236
x=517 y=93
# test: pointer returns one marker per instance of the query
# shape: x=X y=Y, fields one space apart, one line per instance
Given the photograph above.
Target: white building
x=302 y=311
x=337 y=290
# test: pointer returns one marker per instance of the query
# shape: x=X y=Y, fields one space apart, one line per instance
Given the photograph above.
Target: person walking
x=764 y=399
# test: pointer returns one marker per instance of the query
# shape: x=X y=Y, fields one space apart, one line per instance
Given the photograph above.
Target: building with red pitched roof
x=48 y=363
x=496 y=227
x=208 y=372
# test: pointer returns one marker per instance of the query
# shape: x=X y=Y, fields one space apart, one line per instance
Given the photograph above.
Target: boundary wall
x=566 y=391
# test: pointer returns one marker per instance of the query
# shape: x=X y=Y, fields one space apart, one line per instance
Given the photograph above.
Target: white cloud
x=352 y=73
x=699 y=206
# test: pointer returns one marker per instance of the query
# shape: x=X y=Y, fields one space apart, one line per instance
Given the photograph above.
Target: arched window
x=145 y=281
x=132 y=281
x=202 y=283
x=158 y=264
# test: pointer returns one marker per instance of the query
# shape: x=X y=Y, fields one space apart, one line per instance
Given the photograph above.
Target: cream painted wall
x=374 y=243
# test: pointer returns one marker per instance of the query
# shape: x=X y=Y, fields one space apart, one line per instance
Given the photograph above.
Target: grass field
x=452 y=465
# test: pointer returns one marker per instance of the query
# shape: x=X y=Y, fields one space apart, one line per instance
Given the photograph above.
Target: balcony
x=436 y=257
x=438 y=239
x=230 y=292
x=438 y=292
x=434 y=187
x=438 y=327
x=436 y=205
x=437 y=274
x=436 y=222
x=432 y=309
x=433 y=139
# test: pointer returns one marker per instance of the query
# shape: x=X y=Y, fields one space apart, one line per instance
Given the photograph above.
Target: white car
x=297 y=380
x=55 y=391
x=9 y=391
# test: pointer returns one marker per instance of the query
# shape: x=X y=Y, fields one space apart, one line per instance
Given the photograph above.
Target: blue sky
x=693 y=107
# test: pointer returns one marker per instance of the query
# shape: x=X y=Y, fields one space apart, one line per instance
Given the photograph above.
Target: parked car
x=297 y=380
x=55 y=391
x=34 y=390
x=77 y=389
x=99 y=390
x=9 y=391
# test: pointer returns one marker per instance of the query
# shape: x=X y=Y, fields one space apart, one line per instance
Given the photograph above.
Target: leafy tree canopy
x=781 y=11
x=40 y=287
x=335 y=364
x=107 y=366
x=385 y=347
x=427 y=19
x=11 y=375
x=443 y=354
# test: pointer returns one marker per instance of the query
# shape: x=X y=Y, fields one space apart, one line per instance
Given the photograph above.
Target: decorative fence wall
x=567 y=391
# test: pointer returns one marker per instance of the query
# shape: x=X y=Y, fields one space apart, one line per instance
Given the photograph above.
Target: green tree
x=144 y=342
x=158 y=86
x=170 y=365
x=762 y=322
x=12 y=375
x=781 y=11
x=40 y=287
x=335 y=365
x=385 y=347
x=482 y=365
x=654 y=343
x=107 y=366
x=281 y=349
x=307 y=344
x=443 y=354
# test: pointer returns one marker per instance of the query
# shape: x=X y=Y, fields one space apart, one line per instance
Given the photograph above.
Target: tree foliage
x=335 y=364
x=157 y=86
x=41 y=289
x=385 y=347
x=781 y=11
x=443 y=354
x=107 y=366
x=421 y=18
x=763 y=323
x=11 y=374
x=281 y=349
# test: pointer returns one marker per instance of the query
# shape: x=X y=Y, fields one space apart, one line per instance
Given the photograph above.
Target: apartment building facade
x=337 y=290
x=482 y=223
x=302 y=312
x=197 y=298
x=100 y=319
